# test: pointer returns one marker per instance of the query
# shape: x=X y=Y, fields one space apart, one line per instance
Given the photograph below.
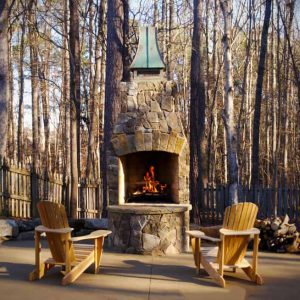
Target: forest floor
x=127 y=276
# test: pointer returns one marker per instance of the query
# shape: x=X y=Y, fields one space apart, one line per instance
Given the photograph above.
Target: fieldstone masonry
x=156 y=230
x=149 y=121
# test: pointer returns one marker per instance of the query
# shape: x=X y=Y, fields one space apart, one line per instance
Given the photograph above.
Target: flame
x=151 y=184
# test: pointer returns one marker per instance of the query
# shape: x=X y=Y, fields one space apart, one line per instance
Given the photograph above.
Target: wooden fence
x=271 y=202
x=15 y=191
x=21 y=189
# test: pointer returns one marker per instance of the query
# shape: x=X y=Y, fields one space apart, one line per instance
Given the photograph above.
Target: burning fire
x=151 y=185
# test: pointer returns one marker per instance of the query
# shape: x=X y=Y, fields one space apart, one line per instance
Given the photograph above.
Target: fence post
x=66 y=194
x=81 y=201
x=5 y=190
x=297 y=209
x=34 y=193
x=63 y=194
x=98 y=199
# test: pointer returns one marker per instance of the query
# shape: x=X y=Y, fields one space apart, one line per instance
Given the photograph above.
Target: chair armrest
x=201 y=235
x=42 y=229
x=212 y=231
x=93 y=235
x=228 y=232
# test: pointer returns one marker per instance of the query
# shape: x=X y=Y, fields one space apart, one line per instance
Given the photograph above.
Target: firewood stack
x=278 y=235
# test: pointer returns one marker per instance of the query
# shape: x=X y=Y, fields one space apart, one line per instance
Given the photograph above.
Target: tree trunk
x=258 y=94
x=66 y=97
x=75 y=103
x=102 y=86
x=164 y=28
x=286 y=31
x=155 y=13
x=245 y=88
x=114 y=74
x=126 y=56
x=228 y=112
x=274 y=101
x=213 y=118
x=95 y=95
x=44 y=73
x=92 y=111
x=170 y=51
x=10 y=97
x=3 y=74
x=197 y=113
x=34 y=85
x=20 y=134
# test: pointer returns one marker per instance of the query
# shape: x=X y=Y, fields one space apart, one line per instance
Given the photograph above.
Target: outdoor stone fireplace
x=148 y=167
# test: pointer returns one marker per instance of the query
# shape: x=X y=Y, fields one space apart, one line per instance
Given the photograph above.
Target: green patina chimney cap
x=148 y=55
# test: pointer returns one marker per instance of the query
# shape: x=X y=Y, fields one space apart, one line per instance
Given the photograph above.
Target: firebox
x=150 y=177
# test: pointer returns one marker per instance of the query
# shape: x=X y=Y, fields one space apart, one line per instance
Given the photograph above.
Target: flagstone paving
x=127 y=276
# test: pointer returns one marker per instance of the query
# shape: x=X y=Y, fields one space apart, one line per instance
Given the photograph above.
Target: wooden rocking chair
x=235 y=235
x=74 y=258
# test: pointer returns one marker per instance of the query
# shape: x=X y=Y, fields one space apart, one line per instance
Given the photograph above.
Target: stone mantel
x=149 y=209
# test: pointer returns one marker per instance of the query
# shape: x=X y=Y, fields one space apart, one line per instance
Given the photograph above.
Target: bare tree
x=114 y=74
x=228 y=112
x=10 y=109
x=44 y=73
x=3 y=74
x=155 y=13
x=197 y=111
x=170 y=44
x=95 y=94
x=66 y=95
x=258 y=94
x=20 y=134
x=126 y=55
x=33 y=44
x=75 y=102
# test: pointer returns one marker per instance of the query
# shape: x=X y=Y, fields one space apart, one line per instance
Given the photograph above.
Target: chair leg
x=221 y=258
x=196 y=246
x=37 y=273
x=67 y=255
x=213 y=273
x=78 y=269
x=39 y=270
x=98 y=253
x=255 y=277
x=251 y=272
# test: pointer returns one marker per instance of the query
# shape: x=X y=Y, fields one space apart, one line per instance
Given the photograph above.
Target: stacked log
x=278 y=235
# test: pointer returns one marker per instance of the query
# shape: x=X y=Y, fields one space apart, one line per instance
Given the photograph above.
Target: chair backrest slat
x=238 y=217
x=53 y=215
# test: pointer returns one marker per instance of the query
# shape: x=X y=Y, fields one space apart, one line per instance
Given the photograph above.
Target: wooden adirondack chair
x=235 y=235
x=74 y=258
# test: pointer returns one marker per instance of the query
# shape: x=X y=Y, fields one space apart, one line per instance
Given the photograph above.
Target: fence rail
x=271 y=201
x=21 y=189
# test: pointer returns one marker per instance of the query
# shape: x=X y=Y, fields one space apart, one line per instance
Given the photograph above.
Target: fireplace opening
x=150 y=177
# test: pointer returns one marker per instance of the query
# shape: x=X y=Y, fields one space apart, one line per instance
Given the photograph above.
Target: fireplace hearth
x=148 y=166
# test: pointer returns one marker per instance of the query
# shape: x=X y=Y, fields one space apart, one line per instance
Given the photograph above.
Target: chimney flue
x=147 y=62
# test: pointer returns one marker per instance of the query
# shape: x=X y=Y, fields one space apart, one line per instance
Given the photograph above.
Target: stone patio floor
x=127 y=276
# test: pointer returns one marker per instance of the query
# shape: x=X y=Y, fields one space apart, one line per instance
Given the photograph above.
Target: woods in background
x=237 y=73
